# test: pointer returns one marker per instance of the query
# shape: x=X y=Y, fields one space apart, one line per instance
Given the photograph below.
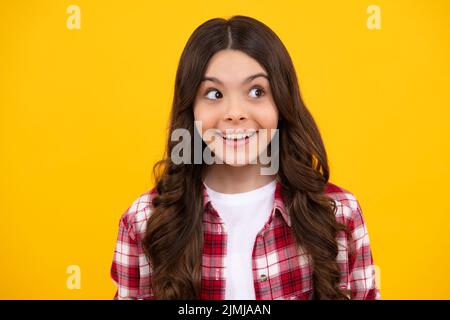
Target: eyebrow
x=257 y=75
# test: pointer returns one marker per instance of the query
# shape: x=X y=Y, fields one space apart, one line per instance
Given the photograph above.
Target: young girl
x=226 y=229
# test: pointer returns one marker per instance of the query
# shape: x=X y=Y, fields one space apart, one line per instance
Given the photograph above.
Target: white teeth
x=238 y=136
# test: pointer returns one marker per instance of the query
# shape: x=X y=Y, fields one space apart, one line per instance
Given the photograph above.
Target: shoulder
x=135 y=217
x=340 y=195
x=348 y=209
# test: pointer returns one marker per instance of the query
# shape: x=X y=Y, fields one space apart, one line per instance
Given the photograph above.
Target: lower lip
x=236 y=143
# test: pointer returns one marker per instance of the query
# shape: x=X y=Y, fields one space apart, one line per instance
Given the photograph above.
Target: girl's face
x=233 y=104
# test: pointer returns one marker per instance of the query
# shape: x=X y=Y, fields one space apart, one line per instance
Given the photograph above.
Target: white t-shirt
x=244 y=215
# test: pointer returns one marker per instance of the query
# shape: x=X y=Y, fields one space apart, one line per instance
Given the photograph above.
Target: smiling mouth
x=238 y=136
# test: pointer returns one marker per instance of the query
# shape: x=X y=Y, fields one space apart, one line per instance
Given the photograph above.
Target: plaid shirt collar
x=278 y=205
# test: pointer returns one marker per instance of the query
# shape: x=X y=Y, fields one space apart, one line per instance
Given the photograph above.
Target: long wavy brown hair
x=174 y=236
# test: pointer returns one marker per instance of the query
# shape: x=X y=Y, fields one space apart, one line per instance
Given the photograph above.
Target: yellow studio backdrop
x=85 y=94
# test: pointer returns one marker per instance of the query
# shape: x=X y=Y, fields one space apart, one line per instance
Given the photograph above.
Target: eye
x=257 y=92
x=213 y=94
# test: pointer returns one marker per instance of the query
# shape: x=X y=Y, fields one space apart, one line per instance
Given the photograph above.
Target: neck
x=230 y=179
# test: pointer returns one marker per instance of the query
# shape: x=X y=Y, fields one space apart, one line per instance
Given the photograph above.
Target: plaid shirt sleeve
x=125 y=265
x=362 y=279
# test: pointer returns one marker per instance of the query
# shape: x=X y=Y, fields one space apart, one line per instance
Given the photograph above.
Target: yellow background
x=83 y=115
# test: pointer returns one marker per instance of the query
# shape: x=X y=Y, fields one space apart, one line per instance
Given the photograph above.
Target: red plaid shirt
x=280 y=271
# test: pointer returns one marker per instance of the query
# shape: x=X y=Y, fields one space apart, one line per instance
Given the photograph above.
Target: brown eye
x=257 y=92
x=213 y=94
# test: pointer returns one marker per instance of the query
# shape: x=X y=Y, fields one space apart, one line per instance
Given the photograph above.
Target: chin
x=236 y=163
x=232 y=164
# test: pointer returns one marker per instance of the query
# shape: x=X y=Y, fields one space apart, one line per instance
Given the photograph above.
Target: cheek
x=266 y=116
x=208 y=116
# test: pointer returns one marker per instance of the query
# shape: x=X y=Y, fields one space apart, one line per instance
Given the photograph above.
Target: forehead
x=232 y=65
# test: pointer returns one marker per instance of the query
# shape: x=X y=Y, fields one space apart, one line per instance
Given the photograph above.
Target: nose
x=235 y=113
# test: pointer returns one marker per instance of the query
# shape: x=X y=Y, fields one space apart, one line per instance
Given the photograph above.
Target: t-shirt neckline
x=248 y=196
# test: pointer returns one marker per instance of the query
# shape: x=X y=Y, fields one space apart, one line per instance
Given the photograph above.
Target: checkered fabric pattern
x=281 y=270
